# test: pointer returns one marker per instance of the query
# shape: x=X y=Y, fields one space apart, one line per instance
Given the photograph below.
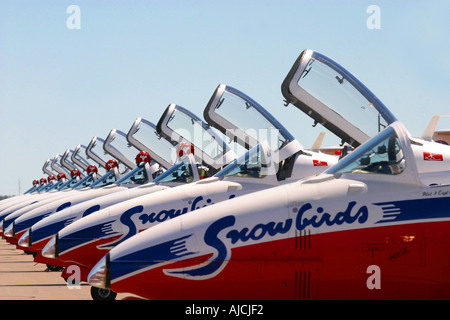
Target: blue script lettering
x=341 y=217
x=259 y=231
x=205 y=271
x=172 y=213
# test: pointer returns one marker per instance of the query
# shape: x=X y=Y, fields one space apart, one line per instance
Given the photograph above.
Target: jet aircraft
x=278 y=159
x=373 y=226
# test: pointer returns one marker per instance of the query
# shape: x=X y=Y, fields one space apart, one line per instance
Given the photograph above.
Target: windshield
x=57 y=185
x=32 y=189
x=251 y=165
x=145 y=137
x=40 y=188
x=193 y=130
x=69 y=184
x=237 y=112
x=180 y=172
x=117 y=145
x=85 y=182
x=47 y=187
x=137 y=176
x=66 y=161
x=78 y=158
x=382 y=155
x=333 y=89
x=107 y=179
x=95 y=151
x=333 y=97
x=46 y=168
x=56 y=165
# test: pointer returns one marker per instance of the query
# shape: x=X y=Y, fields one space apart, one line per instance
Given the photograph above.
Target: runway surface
x=23 y=279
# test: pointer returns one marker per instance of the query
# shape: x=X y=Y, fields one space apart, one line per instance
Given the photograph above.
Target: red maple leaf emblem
x=429 y=156
x=319 y=163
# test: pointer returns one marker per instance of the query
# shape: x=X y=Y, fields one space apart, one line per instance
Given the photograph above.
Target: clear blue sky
x=60 y=87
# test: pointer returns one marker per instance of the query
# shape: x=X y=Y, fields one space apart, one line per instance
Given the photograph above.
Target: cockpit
x=95 y=151
x=181 y=172
x=56 y=165
x=381 y=155
x=256 y=163
x=73 y=181
x=179 y=125
x=89 y=179
x=66 y=162
x=144 y=136
x=244 y=120
x=335 y=98
x=78 y=157
x=116 y=144
x=142 y=173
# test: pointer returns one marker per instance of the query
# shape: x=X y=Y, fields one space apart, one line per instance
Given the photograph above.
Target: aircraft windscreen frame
x=252 y=164
x=122 y=149
x=85 y=182
x=136 y=176
x=93 y=148
x=57 y=167
x=78 y=158
x=233 y=121
x=311 y=86
x=66 y=161
x=363 y=159
x=185 y=126
x=173 y=173
x=107 y=179
x=148 y=139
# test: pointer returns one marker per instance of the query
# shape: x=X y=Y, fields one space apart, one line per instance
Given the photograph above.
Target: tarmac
x=23 y=279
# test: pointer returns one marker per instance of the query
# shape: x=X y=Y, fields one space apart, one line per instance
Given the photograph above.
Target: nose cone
x=9 y=230
x=99 y=275
x=86 y=240
x=42 y=231
x=25 y=239
x=50 y=250
x=138 y=265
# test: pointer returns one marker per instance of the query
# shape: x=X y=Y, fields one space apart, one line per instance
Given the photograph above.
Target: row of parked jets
x=234 y=207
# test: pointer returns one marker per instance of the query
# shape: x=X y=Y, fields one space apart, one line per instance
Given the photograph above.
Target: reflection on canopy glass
x=147 y=135
x=69 y=184
x=180 y=172
x=193 y=131
x=119 y=144
x=137 y=176
x=107 y=179
x=381 y=155
x=334 y=90
x=85 y=182
x=251 y=165
x=246 y=114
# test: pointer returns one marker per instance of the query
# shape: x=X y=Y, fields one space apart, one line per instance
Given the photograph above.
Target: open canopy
x=335 y=98
x=95 y=151
x=178 y=125
x=144 y=136
x=244 y=120
x=117 y=145
x=78 y=156
x=66 y=161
